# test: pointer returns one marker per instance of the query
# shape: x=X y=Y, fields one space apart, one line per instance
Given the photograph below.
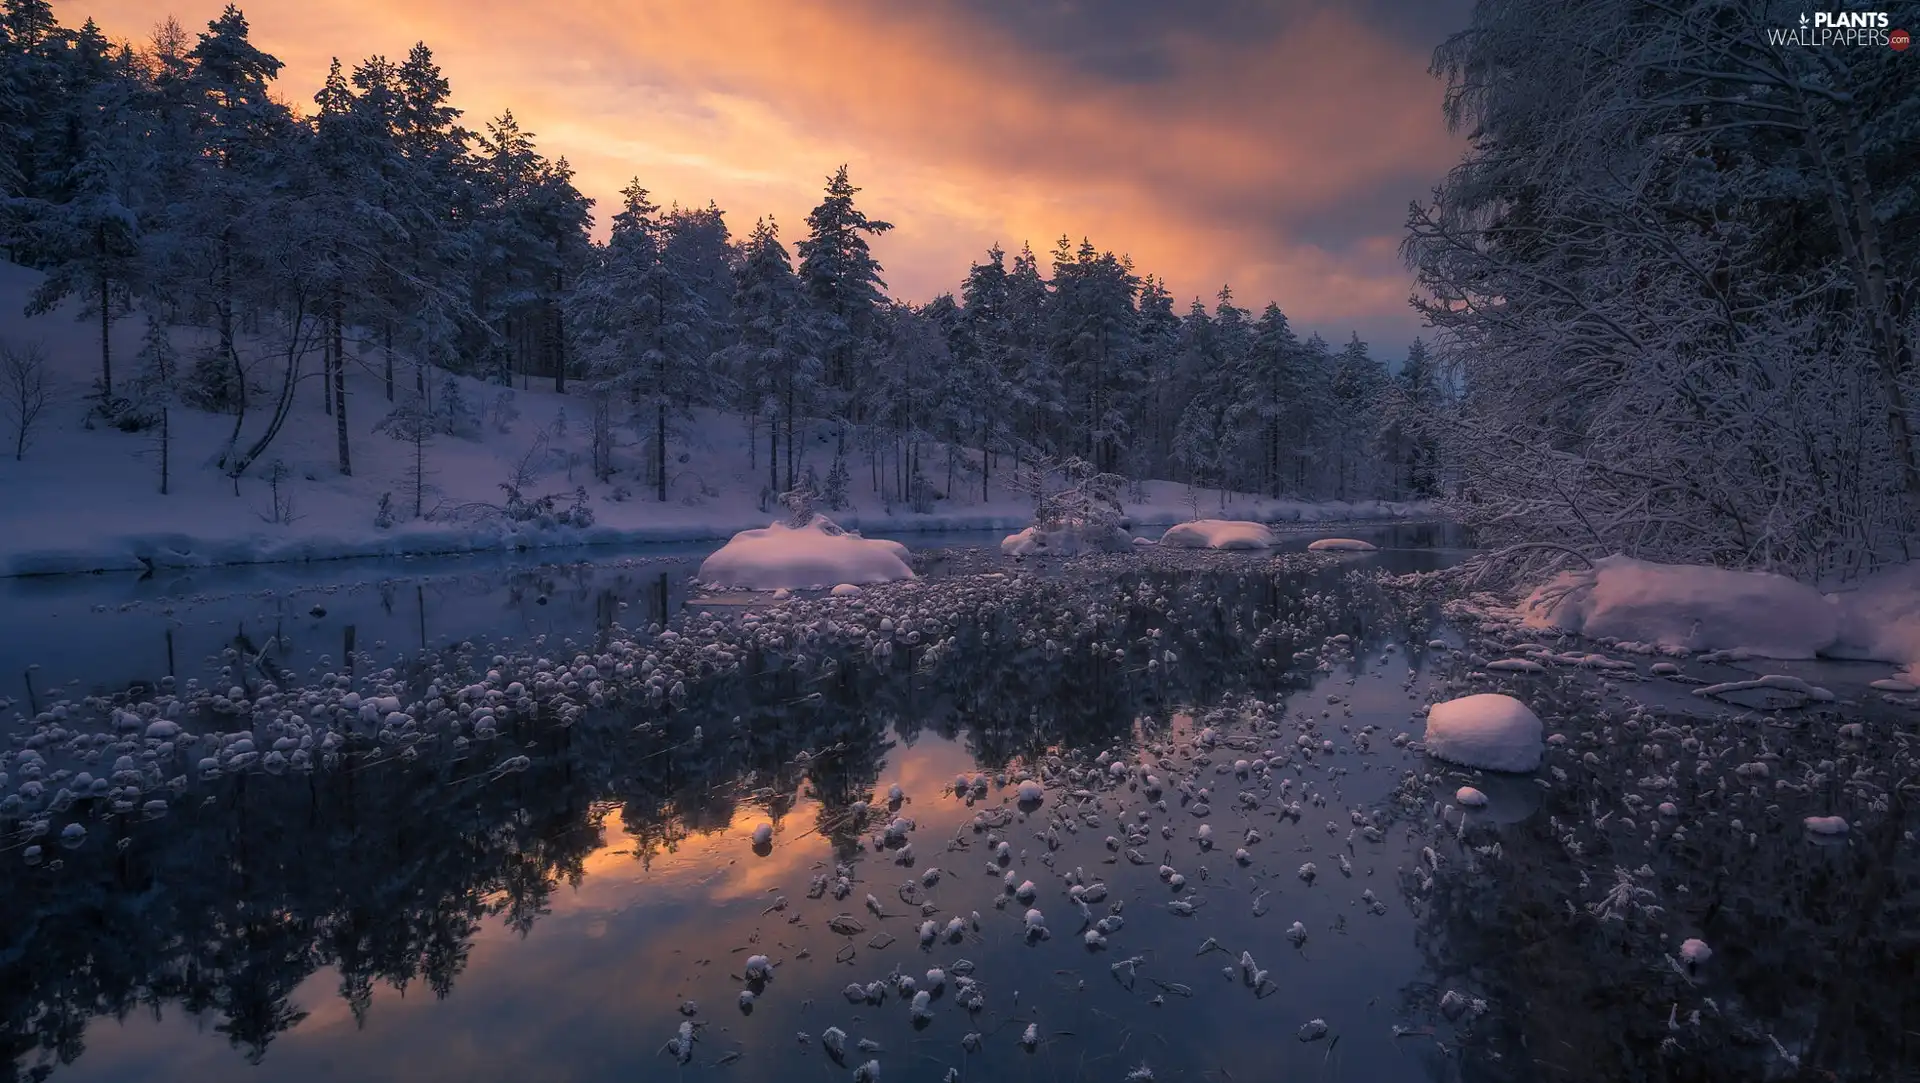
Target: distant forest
x=170 y=181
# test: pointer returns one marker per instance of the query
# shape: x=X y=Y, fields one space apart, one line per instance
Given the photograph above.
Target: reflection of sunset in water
x=720 y=866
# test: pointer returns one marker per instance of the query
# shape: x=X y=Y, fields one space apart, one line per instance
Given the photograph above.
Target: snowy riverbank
x=87 y=499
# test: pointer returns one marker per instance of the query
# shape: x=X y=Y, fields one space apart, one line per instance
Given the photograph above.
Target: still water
x=553 y=894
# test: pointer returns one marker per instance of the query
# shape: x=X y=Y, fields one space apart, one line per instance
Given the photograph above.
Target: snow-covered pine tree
x=639 y=321
x=772 y=358
x=1157 y=402
x=90 y=241
x=983 y=350
x=1034 y=380
x=1090 y=336
x=842 y=279
x=1359 y=380
x=1273 y=396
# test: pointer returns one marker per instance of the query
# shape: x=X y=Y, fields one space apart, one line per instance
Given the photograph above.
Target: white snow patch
x=1687 y=606
x=814 y=555
x=1826 y=825
x=1695 y=951
x=1489 y=731
x=1218 y=534
x=1342 y=545
x=1468 y=797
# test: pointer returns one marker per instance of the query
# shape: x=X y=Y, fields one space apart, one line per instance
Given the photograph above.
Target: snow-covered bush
x=1075 y=508
x=834 y=493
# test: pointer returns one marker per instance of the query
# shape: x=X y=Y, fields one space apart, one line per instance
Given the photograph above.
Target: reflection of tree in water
x=1813 y=944
x=386 y=872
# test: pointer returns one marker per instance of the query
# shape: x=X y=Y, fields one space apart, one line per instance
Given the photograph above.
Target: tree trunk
x=986 y=464
x=106 y=322
x=296 y=351
x=559 y=337
x=660 y=448
x=165 y=443
x=790 y=437
x=386 y=349
x=336 y=340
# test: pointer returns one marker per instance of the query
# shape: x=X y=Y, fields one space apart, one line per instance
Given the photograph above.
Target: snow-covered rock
x=1342 y=545
x=819 y=554
x=1687 y=606
x=1771 y=692
x=1066 y=541
x=1218 y=534
x=1489 y=731
x=1468 y=797
x=1826 y=825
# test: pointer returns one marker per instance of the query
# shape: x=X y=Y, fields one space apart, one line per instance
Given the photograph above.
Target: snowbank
x=1218 y=534
x=1488 y=731
x=1342 y=545
x=1696 y=608
x=817 y=555
x=1878 y=619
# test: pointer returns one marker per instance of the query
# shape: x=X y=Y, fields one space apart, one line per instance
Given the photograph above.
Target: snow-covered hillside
x=87 y=498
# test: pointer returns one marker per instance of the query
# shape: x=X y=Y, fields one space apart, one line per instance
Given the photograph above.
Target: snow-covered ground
x=1686 y=608
x=88 y=499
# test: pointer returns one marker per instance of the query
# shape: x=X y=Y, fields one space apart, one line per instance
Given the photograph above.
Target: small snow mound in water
x=1031 y=791
x=1489 y=731
x=1698 y=608
x=763 y=835
x=1887 y=685
x=1826 y=825
x=845 y=589
x=1218 y=534
x=785 y=557
x=1695 y=951
x=1342 y=545
x=1468 y=797
x=1066 y=541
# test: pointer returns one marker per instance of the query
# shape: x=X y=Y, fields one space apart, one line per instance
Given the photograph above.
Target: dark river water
x=560 y=891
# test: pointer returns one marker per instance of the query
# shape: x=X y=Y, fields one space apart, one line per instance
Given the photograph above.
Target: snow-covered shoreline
x=142 y=552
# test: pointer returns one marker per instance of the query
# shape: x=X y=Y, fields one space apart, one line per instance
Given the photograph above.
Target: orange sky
x=1270 y=145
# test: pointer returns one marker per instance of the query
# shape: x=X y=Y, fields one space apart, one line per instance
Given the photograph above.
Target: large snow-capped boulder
x=1342 y=545
x=817 y=555
x=1489 y=731
x=1218 y=534
x=1687 y=606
